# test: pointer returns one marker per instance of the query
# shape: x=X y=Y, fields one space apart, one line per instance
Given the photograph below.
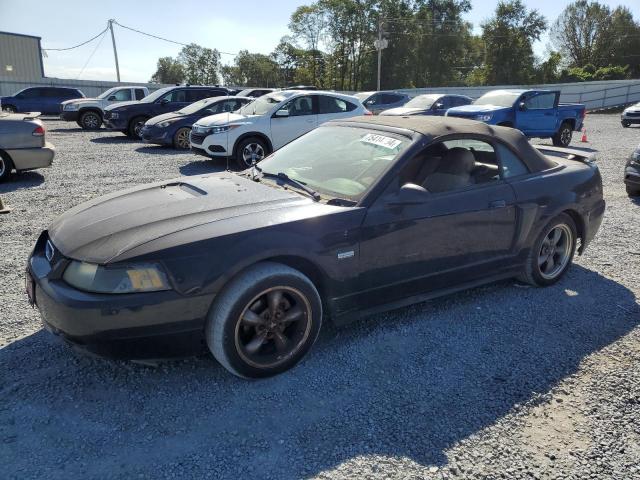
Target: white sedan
x=268 y=123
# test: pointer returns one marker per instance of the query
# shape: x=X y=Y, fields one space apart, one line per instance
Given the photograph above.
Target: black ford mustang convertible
x=354 y=217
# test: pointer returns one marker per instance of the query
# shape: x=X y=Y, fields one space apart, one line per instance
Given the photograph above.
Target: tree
x=309 y=23
x=508 y=39
x=547 y=71
x=169 y=70
x=252 y=69
x=201 y=65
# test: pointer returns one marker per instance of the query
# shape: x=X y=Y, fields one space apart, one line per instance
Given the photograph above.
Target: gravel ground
x=501 y=381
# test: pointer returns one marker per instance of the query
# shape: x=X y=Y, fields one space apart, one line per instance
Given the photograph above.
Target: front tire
x=562 y=138
x=90 y=121
x=6 y=165
x=551 y=253
x=264 y=321
x=632 y=191
x=181 y=139
x=9 y=108
x=249 y=150
x=135 y=127
x=625 y=123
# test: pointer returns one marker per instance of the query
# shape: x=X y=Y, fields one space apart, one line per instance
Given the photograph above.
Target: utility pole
x=115 y=50
x=380 y=43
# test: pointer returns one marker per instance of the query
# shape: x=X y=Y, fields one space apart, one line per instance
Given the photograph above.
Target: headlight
x=222 y=129
x=147 y=277
x=484 y=118
x=71 y=107
x=114 y=115
x=166 y=123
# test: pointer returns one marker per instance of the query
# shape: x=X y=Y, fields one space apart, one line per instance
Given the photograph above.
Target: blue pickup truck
x=536 y=113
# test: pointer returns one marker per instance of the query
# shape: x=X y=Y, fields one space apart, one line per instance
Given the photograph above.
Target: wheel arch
x=570 y=121
x=91 y=109
x=244 y=136
x=580 y=226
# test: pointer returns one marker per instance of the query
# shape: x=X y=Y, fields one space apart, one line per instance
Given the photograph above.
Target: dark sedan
x=355 y=217
x=429 y=104
x=632 y=174
x=173 y=128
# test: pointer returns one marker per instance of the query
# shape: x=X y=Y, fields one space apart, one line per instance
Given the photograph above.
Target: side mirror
x=282 y=113
x=112 y=98
x=369 y=102
x=410 y=194
x=439 y=106
x=164 y=101
x=522 y=106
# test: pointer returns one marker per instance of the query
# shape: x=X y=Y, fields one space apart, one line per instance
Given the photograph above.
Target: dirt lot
x=502 y=381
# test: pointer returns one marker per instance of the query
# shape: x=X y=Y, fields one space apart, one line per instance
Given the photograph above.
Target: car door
x=456 y=236
x=293 y=119
x=172 y=101
x=536 y=113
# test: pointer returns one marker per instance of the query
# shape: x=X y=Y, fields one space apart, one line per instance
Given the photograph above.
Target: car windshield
x=500 y=98
x=196 y=106
x=422 y=101
x=108 y=92
x=262 y=104
x=152 y=97
x=336 y=161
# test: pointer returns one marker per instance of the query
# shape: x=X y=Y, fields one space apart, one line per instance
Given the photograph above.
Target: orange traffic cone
x=584 y=136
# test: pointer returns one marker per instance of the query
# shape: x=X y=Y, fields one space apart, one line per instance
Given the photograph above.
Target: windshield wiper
x=301 y=185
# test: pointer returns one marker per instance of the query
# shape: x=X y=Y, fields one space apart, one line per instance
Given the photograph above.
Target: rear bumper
x=32 y=158
x=71 y=116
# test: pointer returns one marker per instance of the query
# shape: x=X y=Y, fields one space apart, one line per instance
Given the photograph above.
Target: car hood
x=103 y=230
x=164 y=117
x=119 y=105
x=403 y=111
x=475 y=109
x=223 y=119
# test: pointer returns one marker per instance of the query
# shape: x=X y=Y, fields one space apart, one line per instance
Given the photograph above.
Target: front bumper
x=70 y=116
x=32 y=158
x=156 y=135
x=132 y=326
x=630 y=117
x=116 y=123
x=211 y=145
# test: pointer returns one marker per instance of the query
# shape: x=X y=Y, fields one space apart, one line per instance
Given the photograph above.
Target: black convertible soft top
x=434 y=127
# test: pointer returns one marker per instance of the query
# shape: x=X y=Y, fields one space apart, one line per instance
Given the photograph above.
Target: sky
x=229 y=26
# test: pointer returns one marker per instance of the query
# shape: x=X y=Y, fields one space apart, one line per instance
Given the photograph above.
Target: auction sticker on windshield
x=381 y=140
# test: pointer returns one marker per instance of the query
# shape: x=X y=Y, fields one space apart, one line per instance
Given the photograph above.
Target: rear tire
x=249 y=149
x=550 y=257
x=6 y=165
x=135 y=126
x=9 y=108
x=264 y=321
x=181 y=139
x=625 y=123
x=90 y=120
x=562 y=138
x=632 y=191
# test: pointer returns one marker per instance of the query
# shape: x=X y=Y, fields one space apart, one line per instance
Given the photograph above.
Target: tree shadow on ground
x=412 y=388
x=115 y=139
x=203 y=166
x=21 y=181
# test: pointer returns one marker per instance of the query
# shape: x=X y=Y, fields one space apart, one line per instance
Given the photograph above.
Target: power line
x=92 y=53
x=162 y=38
x=76 y=46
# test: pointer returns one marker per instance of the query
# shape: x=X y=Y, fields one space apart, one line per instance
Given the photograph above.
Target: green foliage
x=169 y=70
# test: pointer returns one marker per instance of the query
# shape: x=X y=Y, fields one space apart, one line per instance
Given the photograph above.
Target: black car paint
x=127 y=111
x=632 y=170
x=362 y=258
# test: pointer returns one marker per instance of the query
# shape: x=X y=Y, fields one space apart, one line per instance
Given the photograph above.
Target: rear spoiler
x=584 y=155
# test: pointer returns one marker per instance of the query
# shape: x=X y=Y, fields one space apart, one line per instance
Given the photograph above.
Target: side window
x=176 y=96
x=512 y=166
x=299 y=106
x=54 y=93
x=390 y=98
x=543 y=100
x=453 y=165
x=31 y=93
x=123 y=95
x=446 y=103
x=212 y=93
x=328 y=104
x=374 y=99
x=139 y=94
x=229 y=105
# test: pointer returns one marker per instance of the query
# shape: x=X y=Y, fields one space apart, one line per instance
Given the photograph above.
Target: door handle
x=498 y=204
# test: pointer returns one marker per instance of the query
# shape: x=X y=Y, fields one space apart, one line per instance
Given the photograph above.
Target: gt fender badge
x=343 y=255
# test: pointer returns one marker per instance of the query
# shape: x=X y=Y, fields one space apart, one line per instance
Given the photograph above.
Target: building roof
x=20 y=35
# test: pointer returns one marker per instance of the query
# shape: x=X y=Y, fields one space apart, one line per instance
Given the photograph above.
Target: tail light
x=39 y=131
x=367 y=112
